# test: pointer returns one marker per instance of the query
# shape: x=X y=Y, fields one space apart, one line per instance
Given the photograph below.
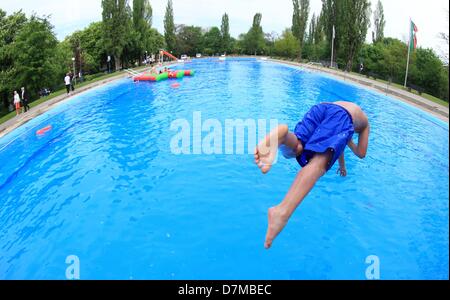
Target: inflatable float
x=44 y=130
x=163 y=76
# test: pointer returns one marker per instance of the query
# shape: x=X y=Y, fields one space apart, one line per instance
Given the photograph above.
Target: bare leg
x=302 y=185
x=267 y=149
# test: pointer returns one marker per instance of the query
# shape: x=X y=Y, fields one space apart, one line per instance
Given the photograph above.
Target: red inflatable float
x=166 y=75
x=44 y=130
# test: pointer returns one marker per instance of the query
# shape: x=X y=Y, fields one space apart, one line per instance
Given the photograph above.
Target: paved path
x=438 y=110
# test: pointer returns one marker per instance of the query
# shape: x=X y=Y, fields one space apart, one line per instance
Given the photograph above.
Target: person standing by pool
x=24 y=96
x=67 y=82
x=317 y=142
x=72 y=81
x=17 y=102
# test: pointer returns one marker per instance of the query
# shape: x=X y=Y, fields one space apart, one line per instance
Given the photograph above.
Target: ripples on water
x=104 y=186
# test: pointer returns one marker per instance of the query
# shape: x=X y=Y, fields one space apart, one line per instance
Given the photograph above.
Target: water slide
x=169 y=55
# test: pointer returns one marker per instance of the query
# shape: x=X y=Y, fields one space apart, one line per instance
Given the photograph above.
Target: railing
x=131 y=72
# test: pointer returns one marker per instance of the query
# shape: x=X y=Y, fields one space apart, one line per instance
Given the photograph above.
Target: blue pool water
x=103 y=185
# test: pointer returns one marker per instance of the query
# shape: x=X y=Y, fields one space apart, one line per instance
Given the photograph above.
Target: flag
x=334 y=33
x=413 y=37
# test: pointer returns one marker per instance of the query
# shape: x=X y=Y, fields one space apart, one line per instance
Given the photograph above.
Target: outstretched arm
x=360 y=150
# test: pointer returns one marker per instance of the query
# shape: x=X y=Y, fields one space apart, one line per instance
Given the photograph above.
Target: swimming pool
x=104 y=185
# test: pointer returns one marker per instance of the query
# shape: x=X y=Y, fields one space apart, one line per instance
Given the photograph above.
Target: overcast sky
x=68 y=16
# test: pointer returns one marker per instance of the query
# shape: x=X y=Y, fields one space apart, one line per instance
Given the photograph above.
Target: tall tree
x=299 y=21
x=35 y=60
x=330 y=20
x=379 y=22
x=225 y=30
x=116 y=27
x=169 y=27
x=355 y=21
x=155 y=41
x=87 y=47
x=142 y=22
x=319 y=29
x=254 y=40
x=213 y=41
x=142 y=14
x=189 y=40
x=312 y=29
x=10 y=27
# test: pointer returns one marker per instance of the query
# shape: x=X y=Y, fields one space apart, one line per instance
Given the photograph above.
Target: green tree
x=154 y=41
x=64 y=54
x=10 y=26
x=330 y=9
x=116 y=28
x=287 y=45
x=254 y=40
x=429 y=73
x=299 y=21
x=142 y=15
x=390 y=66
x=142 y=21
x=308 y=50
x=312 y=30
x=354 y=23
x=213 y=41
x=35 y=48
x=87 y=47
x=379 y=23
x=319 y=30
x=169 y=27
x=270 y=39
x=225 y=30
x=189 y=40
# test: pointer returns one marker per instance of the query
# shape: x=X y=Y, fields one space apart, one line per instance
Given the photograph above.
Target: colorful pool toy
x=163 y=76
x=44 y=130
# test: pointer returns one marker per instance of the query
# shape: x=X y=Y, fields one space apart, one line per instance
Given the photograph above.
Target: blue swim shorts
x=326 y=127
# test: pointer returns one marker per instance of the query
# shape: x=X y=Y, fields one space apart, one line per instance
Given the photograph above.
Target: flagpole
x=409 y=52
x=332 y=48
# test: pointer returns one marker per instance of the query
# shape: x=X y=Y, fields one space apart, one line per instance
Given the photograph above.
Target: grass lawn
x=61 y=92
x=401 y=87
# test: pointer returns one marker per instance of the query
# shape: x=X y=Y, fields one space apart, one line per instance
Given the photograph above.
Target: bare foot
x=267 y=149
x=276 y=223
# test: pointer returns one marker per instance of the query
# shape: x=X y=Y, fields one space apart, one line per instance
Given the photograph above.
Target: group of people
x=21 y=101
x=21 y=98
x=154 y=70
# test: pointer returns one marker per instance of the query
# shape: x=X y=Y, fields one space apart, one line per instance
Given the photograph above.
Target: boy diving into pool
x=317 y=142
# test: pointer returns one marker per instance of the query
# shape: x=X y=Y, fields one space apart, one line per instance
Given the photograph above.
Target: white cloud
x=71 y=15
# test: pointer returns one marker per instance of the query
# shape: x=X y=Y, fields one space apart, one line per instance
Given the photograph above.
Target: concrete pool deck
x=435 y=109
